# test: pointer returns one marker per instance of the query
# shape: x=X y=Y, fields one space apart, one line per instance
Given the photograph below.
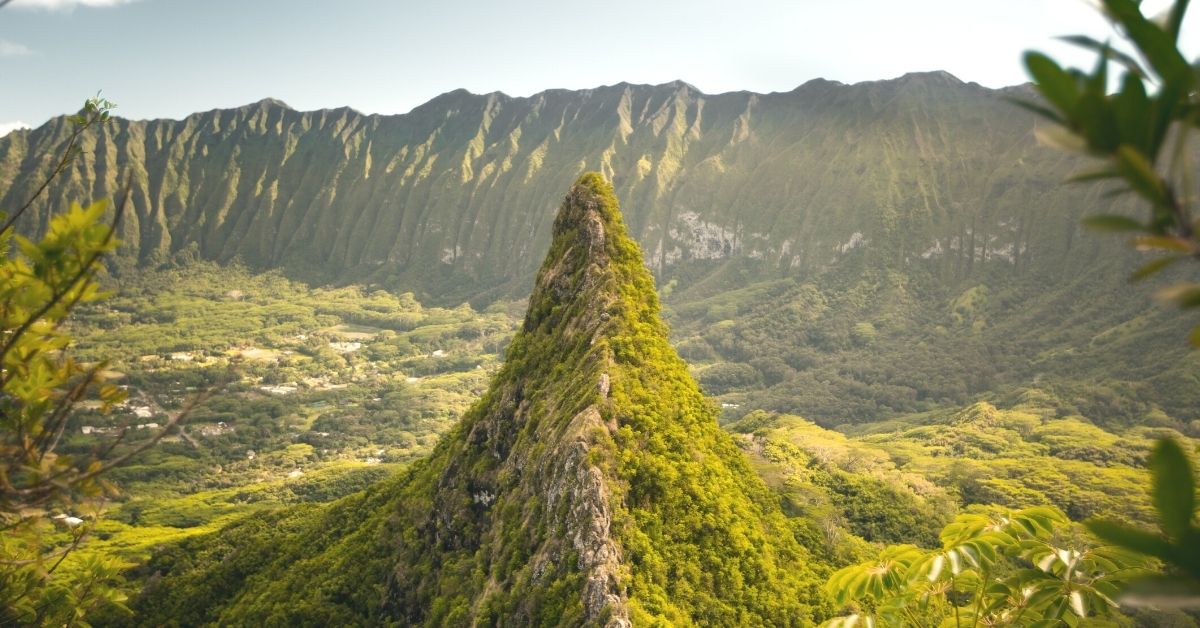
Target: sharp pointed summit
x=591 y=485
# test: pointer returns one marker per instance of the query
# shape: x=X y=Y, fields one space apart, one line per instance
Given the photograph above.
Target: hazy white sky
x=168 y=58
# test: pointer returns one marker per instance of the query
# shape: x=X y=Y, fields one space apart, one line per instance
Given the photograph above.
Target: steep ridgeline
x=590 y=485
x=457 y=196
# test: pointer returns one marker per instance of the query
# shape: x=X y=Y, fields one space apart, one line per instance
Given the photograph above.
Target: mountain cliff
x=591 y=485
x=458 y=195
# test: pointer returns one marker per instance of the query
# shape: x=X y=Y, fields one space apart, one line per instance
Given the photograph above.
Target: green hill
x=590 y=485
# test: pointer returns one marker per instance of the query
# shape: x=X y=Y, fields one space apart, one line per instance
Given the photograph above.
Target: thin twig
x=118 y=461
x=70 y=548
x=59 y=418
x=62 y=165
x=108 y=449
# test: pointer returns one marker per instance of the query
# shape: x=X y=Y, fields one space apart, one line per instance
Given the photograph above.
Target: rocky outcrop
x=582 y=487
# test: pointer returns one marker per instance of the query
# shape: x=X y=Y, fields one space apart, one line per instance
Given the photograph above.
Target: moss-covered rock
x=591 y=485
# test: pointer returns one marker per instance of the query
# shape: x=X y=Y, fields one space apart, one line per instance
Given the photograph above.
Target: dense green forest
x=872 y=346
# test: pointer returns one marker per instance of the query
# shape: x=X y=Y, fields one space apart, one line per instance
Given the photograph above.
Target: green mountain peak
x=590 y=485
x=521 y=488
x=592 y=479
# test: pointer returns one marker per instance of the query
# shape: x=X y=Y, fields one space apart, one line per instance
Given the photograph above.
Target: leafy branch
x=96 y=111
x=1177 y=541
x=1140 y=133
x=1027 y=567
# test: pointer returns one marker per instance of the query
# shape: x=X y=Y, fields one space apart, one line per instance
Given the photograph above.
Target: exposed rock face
x=582 y=486
x=459 y=194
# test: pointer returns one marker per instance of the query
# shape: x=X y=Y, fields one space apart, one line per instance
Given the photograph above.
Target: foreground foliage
x=41 y=385
x=1026 y=568
x=1141 y=132
x=1176 y=542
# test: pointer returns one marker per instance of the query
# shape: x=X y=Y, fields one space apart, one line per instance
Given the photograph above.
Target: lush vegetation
x=39 y=480
x=1024 y=568
x=1175 y=540
x=980 y=407
x=867 y=347
x=907 y=481
x=306 y=394
x=895 y=481
x=43 y=580
x=662 y=523
x=1034 y=567
x=341 y=369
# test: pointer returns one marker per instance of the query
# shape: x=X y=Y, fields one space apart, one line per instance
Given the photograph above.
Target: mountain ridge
x=922 y=170
x=933 y=202
x=466 y=91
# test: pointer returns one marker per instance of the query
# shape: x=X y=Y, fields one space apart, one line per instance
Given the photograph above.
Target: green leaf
x=1131 y=107
x=1175 y=18
x=1096 y=118
x=1155 y=44
x=1077 y=605
x=1127 y=537
x=1140 y=174
x=1043 y=595
x=1154 y=266
x=1162 y=591
x=1183 y=295
x=1174 y=488
x=1088 y=43
x=1040 y=110
x=1062 y=138
x=1145 y=243
x=1053 y=82
x=1112 y=222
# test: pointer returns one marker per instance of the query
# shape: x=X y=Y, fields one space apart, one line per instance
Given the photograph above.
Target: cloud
x=13 y=49
x=65 y=5
x=9 y=127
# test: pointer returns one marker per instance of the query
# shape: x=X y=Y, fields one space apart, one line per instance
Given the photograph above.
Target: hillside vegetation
x=591 y=483
x=324 y=392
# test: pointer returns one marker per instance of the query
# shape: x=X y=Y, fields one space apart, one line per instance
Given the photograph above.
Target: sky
x=170 y=58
